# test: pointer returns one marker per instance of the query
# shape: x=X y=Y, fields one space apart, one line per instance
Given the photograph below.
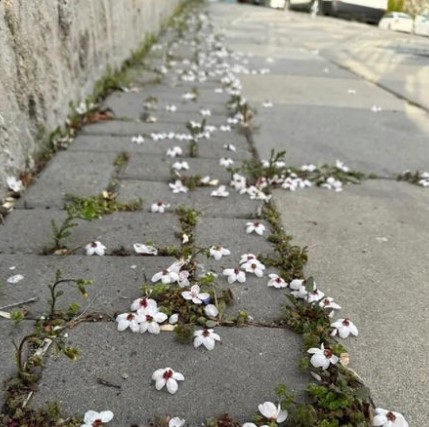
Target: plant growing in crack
x=61 y=232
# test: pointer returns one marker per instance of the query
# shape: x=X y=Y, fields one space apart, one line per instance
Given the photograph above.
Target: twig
x=107 y=383
x=15 y=304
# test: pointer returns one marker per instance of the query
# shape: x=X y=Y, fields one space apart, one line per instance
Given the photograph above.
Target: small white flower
x=340 y=165
x=171 y=108
x=14 y=184
x=176 y=422
x=255 y=267
x=149 y=319
x=234 y=274
x=344 y=328
x=333 y=184
x=205 y=337
x=167 y=377
x=225 y=128
x=159 y=207
x=226 y=162
x=376 y=109
x=185 y=238
x=329 y=303
x=143 y=303
x=166 y=276
x=178 y=166
x=276 y=281
x=267 y=104
x=238 y=182
x=173 y=319
x=140 y=248
x=206 y=180
x=96 y=248
x=300 y=292
x=296 y=284
x=272 y=413
x=178 y=187
x=205 y=112
x=211 y=311
x=384 y=418
x=308 y=168
x=15 y=279
x=195 y=295
x=246 y=258
x=128 y=320
x=255 y=227
x=220 y=192
x=137 y=139
x=322 y=357
x=315 y=295
x=230 y=147
x=217 y=252
x=189 y=95
x=96 y=419
x=175 y=151
x=183 y=279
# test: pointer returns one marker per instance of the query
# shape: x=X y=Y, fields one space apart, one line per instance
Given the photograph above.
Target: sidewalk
x=127 y=156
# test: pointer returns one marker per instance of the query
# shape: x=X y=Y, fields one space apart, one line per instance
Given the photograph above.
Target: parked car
x=397 y=21
x=421 y=24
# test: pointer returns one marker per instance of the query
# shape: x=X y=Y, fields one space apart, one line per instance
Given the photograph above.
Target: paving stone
x=235 y=205
x=114 y=231
x=80 y=174
x=231 y=233
x=235 y=377
x=212 y=147
x=10 y=332
x=149 y=167
x=368 y=249
x=117 y=281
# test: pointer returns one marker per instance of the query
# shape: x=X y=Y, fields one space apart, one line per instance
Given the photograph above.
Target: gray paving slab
x=114 y=231
x=383 y=143
x=150 y=167
x=231 y=233
x=10 y=332
x=368 y=248
x=81 y=174
x=240 y=373
x=235 y=205
x=117 y=281
x=212 y=147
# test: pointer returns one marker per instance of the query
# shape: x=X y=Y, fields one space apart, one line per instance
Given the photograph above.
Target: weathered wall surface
x=52 y=52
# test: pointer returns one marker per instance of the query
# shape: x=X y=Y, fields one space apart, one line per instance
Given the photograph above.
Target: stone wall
x=51 y=53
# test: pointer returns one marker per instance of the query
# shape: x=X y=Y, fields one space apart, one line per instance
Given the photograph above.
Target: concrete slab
x=385 y=143
x=235 y=205
x=130 y=128
x=91 y=173
x=149 y=167
x=212 y=147
x=240 y=373
x=114 y=231
x=368 y=249
x=116 y=280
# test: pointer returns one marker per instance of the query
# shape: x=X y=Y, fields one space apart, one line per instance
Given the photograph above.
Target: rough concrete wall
x=51 y=53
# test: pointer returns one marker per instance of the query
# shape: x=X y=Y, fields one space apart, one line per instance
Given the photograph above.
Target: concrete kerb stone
x=115 y=231
x=242 y=372
x=116 y=280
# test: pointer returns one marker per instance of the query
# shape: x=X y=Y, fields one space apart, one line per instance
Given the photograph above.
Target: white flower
x=96 y=248
x=329 y=303
x=376 y=109
x=272 y=413
x=178 y=187
x=14 y=184
x=254 y=266
x=171 y=108
x=140 y=248
x=178 y=166
x=159 y=207
x=206 y=337
x=226 y=162
x=340 y=165
x=247 y=257
x=96 y=419
x=143 y=303
x=322 y=357
x=385 y=418
x=333 y=184
x=344 y=328
x=238 y=182
x=128 y=320
x=206 y=180
x=166 y=276
x=267 y=104
x=211 y=311
x=183 y=279
x=308 y=168
x=225 y=128
x=15 y=279
x=205 y=112
x=276 y=281
x=300 y=293
x=137 y=139
x=217 y=252
x=230 y=147
x=185 y=238
x=255 y=227
x=234 y=274
x=296 y=284
x=173 y=319
x=220 y=192
x=189 y=95
x=175 y=151
x=149 y=319
x=195 y=295
x=315 y=295
x=167 y=377
x=176 y=422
